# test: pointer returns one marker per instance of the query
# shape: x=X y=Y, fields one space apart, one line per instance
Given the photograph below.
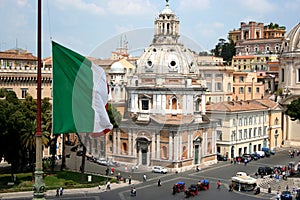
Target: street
x=222 y=171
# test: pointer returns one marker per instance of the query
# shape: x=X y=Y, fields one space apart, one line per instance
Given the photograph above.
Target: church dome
x=117 y=68
x=292 y=40
x=166 y=55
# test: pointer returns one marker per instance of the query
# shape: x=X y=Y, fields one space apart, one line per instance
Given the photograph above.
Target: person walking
x=159 y=183
x=144 y=178
x=277 y=196
x=129 y=180
x=218 y=184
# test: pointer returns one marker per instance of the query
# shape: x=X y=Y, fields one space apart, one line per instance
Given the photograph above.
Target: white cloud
x=80 y=5
x=130 y=7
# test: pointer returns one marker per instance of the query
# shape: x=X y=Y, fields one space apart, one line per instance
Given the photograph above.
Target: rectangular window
x=233 y=122
x=259 y=131
x=250 y=120
x=254 y=132
x=257 y=90
x=24 y=92
x=241 y=90
x=241 y=79
x=245 y=121
x=249 y=89
x=245 y=134
x=282 y=75
x=219 y=75
x=219 y=135
x=218 y=86
x=233 y=136
x=207 y=75
x=208 y=86
x=250 y=132
x=228 y=87
x=240 y=122
x=240 y=134
x=145 y=105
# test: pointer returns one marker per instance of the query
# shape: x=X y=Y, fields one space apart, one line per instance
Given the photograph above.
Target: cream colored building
x=246 y=86
x=165 y=122
x=246 y=126
x=18 y=73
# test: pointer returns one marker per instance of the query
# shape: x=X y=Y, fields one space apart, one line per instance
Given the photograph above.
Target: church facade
x=165 y=122
x=289 y=76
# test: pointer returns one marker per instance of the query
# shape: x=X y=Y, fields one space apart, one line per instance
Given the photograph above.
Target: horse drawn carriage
x=203 y=185
x=192 y=191
x=178 y=187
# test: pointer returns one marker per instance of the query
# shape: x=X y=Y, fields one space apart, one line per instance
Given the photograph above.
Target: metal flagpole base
x=39 y=187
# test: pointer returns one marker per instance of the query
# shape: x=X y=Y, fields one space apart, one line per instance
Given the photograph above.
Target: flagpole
x=39 y=186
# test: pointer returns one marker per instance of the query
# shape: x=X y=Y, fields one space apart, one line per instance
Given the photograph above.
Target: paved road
x=222 y=171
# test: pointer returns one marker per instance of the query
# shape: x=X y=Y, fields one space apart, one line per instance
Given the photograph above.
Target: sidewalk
x=82 y=191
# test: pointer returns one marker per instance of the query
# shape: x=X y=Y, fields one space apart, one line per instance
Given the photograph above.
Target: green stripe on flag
x=72 y=91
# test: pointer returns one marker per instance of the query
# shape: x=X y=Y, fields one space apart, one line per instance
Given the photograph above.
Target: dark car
x=239 y=159
x=286 y=195
x=254 y=156
x=221 y=158
x=265 y=171
x=247 y=157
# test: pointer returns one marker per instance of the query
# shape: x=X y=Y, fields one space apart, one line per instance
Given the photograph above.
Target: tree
x=18 y=129
x=115 y=116
x=224 y=49
x=293 y=110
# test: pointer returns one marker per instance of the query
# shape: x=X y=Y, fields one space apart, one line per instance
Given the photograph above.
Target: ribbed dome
x=117 y=67
x=292 y=41
x=167 y=59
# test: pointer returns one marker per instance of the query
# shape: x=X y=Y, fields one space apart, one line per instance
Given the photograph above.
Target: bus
x=243 y=183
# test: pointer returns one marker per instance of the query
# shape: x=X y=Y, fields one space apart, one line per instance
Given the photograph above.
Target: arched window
x=198 y=104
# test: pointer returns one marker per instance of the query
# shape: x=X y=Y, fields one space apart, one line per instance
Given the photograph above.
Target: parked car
x=102 y=161
x=159 y=169
x=254 y=156
x=286 y=195
x=260 y=153
x=265 y=170
x=221 y=158
x=247 y=157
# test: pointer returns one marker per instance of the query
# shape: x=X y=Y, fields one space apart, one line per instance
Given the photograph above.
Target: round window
x=173 y=63
x=149 y=63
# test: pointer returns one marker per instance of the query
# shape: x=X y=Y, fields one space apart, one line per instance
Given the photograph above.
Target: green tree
x=293 y=110
x=115 y=116
x=224 y=49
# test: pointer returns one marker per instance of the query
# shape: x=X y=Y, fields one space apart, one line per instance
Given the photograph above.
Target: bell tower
x=167 y=27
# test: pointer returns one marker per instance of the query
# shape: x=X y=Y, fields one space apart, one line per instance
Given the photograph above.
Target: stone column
x=170 y=146
x=118 y=142
x=158 y=146
x=175 y=147
x=153 y=146
x=203 y=111
x=189 y=145
x=129 y=142
x=180 y=146
x=114 y=141
x=134 y=144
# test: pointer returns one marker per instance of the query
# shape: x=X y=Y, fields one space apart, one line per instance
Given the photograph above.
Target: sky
x=97 y=27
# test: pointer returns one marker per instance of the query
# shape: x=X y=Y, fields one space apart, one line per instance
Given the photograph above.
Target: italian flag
x=80 y=94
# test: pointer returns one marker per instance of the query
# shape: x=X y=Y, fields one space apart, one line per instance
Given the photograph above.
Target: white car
x=159 y=169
